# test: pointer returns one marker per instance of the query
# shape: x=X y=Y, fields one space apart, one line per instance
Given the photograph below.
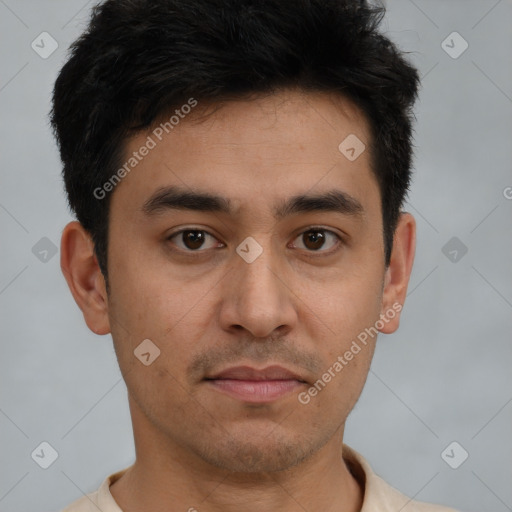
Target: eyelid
x=192 y=228
x=340 y=241
x=316 y=227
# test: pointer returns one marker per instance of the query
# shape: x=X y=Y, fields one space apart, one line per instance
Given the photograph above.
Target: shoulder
x=393 y=500
x=88 y=503
x=101 y=499
x=378 y=494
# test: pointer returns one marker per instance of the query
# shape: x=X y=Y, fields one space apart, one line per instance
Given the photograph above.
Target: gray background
x=444 y=376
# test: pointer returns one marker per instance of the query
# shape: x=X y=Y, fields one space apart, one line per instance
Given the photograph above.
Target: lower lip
x=255 y=391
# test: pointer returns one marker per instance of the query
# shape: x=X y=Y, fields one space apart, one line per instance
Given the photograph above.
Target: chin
x=249 y=456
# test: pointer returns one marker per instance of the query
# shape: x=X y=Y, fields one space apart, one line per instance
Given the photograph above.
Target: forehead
x=289 y=118
x=266 y=147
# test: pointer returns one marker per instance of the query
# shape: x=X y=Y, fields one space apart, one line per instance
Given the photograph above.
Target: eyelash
x=199 y=252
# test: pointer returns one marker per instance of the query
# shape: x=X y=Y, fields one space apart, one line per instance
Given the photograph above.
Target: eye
x=192 y=239
x=315 y=238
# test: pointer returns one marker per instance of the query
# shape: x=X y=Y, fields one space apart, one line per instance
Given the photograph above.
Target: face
x=283 y=267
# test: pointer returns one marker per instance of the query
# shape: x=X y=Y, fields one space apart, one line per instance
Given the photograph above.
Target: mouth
x=256 y=386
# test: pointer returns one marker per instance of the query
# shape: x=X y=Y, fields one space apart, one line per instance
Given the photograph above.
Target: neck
x=166 y=476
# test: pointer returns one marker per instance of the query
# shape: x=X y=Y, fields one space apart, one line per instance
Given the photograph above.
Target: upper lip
x=248 y=373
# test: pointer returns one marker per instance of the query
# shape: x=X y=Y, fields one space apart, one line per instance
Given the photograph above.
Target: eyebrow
x=177 y=198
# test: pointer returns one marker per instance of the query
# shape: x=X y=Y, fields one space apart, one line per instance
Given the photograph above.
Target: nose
x=258 y=296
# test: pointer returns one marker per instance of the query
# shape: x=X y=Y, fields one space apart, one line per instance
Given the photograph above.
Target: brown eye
x=316 y=239
x=191 y=239
x=313 y=240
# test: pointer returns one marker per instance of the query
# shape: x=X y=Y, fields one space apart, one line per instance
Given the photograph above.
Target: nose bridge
x=257 y=298
x=257 y=267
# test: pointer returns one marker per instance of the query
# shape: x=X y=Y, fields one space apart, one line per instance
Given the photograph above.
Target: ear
x=83 y=275
x=398 y=272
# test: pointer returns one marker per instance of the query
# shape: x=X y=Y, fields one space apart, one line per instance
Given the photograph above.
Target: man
x=237 y=169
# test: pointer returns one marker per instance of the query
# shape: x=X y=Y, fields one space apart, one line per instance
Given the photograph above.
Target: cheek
x=347 y=304
x=148 y=305
x=333 y=395
x=145 y=294
x=349 y=307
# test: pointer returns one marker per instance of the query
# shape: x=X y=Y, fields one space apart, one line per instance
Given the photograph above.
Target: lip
x=256 y=386
x=273 y=372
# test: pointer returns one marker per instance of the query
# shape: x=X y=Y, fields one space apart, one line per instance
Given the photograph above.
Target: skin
x=292 y=306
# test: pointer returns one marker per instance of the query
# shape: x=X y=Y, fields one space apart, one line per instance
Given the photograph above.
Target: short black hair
x=140 y=59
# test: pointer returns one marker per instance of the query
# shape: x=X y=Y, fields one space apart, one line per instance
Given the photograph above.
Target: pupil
x=194 y=239
x=318 y=239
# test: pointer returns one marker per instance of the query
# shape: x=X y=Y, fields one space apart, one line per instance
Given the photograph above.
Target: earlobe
x=398 y=272
x=83 y=275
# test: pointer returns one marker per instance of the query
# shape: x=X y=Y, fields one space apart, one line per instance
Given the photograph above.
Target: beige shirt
x=378 y=495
